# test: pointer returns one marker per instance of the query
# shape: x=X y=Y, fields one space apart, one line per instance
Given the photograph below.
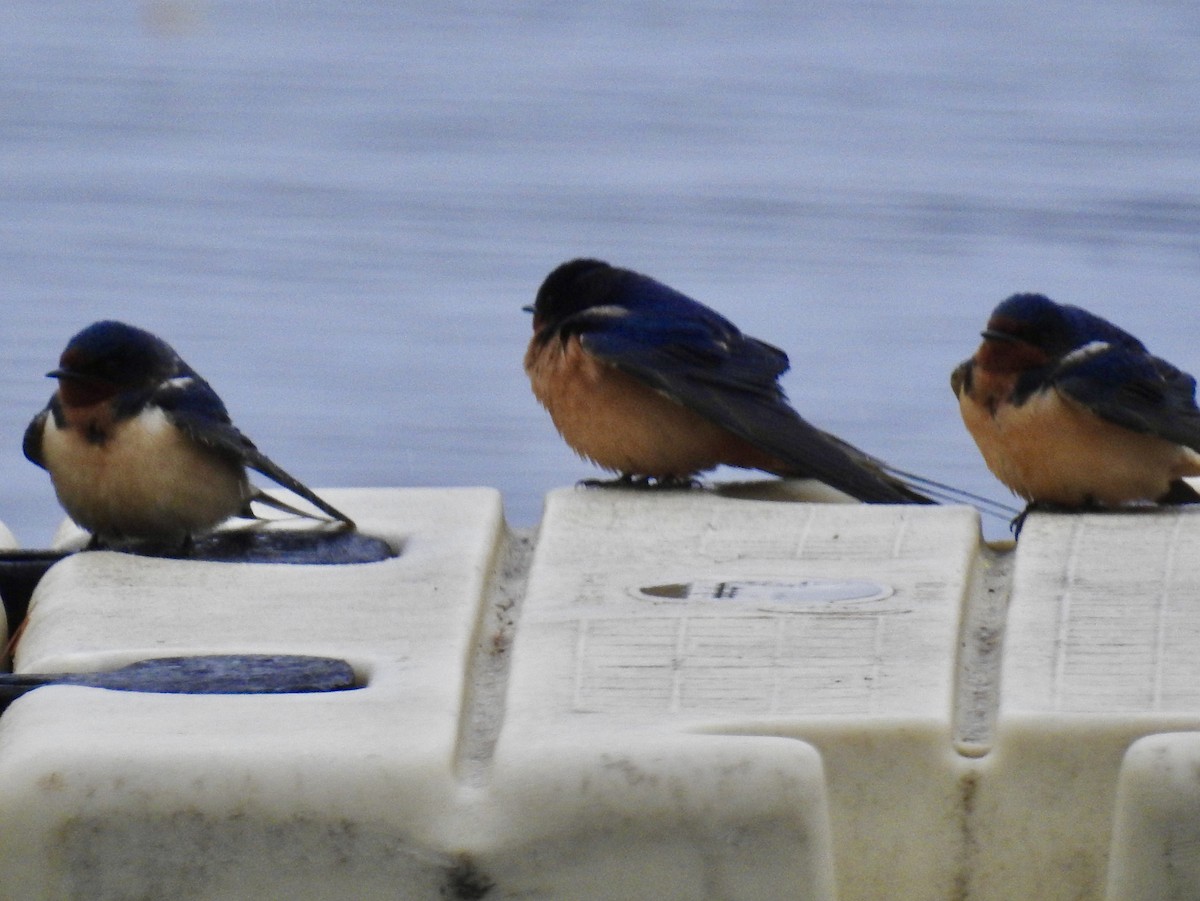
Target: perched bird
x=648 y=383
x=138 y=445
x=1071 y=411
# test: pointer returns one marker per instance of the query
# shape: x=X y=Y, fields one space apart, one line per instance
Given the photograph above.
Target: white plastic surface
x=650 y=815
x=1156 y=839
x=1102 y=647
x=374 y=793
x=832 y=624
x=123 y=795
x=667 y=695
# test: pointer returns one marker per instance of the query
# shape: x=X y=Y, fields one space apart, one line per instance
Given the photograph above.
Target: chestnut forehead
x=1008 y=325
x=1009 y=356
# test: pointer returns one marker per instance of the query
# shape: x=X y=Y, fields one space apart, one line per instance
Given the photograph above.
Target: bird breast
x=619 y=422
x=145 y=479
x=1054 y=450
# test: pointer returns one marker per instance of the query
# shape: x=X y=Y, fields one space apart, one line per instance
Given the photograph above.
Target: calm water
x=335 y=211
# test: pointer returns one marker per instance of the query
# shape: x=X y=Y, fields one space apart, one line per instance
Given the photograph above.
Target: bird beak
x=64 y=373
x=993 y=335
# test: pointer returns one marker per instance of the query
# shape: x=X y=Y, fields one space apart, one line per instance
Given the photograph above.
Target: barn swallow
x=647 y=383
x=1070 y=411
x=140 y=447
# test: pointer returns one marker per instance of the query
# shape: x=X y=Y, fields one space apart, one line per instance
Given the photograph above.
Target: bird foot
x=643 y=483
x=1088 y=506
x=183 y=549
x=685 y=483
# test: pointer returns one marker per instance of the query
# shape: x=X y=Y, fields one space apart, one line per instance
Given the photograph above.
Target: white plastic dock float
x=671 y=695
x=114 y=795
x=1102 y=647
x=700 y=615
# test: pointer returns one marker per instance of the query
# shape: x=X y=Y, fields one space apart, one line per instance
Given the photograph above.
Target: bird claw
x=619 y=482
x=686 y=483
x=1088 y=506
x=643 y=483
x=147 y=547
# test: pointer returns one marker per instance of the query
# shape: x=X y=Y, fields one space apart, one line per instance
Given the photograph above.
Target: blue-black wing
x=198 y=411
x=699 y=359
x=1133 y=389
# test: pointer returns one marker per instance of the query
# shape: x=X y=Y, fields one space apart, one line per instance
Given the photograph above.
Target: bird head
x=1026 y=331
x=110 y=358
x=573 y=287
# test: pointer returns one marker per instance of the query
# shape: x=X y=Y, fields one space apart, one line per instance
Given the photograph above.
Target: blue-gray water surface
x=335 y=211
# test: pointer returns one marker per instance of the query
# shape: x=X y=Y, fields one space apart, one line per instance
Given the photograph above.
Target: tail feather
x=1180 y=492
x=872 y=480
x=261 y=497
x=261 y=463
x=948 y=493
